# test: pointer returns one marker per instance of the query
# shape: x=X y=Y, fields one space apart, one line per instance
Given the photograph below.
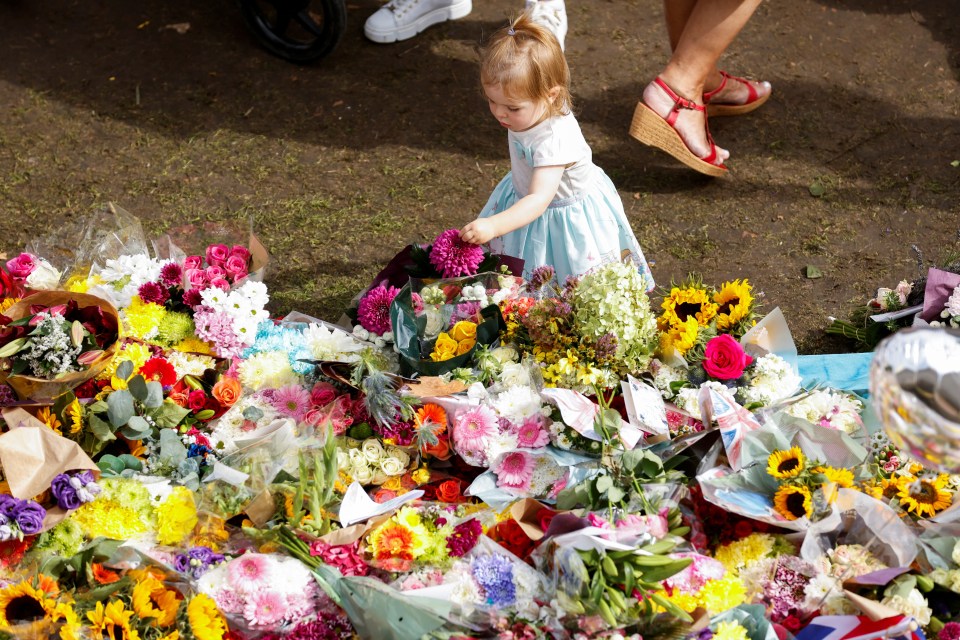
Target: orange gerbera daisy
x=103 y=575
x=433 y=414
x=394 y=541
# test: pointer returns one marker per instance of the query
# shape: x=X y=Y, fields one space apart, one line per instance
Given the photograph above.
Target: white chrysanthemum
x=122 y=277
x=688 y=398
x=517 y=403
x=499 y=444
x=820 y=588
x=267 y=370
x=772 y=379
x=515 y=375
x=466 y=592
x=193 y=364
x=563 y=441
x=255 y=293
x=331 y=344
x=914 y=605
x=825 y=408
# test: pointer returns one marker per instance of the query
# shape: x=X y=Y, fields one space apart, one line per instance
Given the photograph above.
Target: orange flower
x=434 y=414
x=394 y=541
x=449 y=491
x=227 y=391
x=179 y=397
x=440 y=451
x=103 y=575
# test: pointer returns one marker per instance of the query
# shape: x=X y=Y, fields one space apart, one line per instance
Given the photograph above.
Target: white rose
x=43 y=276
x=477 y=392
x=515 y=375
x=914 y=605
x=379 y=477
x=392 y=466
x=505 y=354
x=372 y=450
x=399 y=454
x=434 y=323
x=362 y=474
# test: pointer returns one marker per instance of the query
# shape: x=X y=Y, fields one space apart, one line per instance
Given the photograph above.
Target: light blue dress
x=584 y=226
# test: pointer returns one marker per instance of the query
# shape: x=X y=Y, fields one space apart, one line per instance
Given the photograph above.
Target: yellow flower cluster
x=716 y=596
x=919 y=496
x=739 y=554
x=693 y=313
x=176 y=516
x=141 y=318
x=461 y=338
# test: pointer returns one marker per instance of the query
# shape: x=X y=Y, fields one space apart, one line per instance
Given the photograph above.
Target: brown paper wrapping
x=41 y=389
x=434 y=387
x=525 y=513
x=32 y=455
x=870 y=608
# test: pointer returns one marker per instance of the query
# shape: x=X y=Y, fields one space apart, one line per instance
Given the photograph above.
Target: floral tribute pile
x=473 y=456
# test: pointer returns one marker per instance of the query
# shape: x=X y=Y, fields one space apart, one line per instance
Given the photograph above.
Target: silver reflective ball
x=915 y=390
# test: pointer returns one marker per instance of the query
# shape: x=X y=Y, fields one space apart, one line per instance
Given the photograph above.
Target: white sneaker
x=552 y=14
x=403 y=19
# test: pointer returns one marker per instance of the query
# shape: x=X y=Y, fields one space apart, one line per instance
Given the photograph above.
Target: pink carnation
x=373 y=312
x=515 y=470
x=453 y=257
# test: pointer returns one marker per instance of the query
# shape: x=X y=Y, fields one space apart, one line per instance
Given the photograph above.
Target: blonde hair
x=526 y=60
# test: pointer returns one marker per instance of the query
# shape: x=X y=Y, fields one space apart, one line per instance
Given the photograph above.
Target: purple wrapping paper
x=940 y=284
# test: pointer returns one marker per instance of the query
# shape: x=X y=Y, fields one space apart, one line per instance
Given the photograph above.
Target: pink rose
x=213 y=272
x=21 y=266
x=724 y=358
x=235 y=265
x=322 y=394
x=217 y=253
x=197 y=278
x=891 y=465
x=220 y=283
x=241 y=252
x=192 y=262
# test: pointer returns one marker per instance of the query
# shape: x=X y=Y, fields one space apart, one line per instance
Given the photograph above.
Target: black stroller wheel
x=296 y=30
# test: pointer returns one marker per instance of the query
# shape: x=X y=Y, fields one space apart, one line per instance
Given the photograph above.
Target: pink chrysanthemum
x=531 y=434
x=250 y=572
x=515 y=470
x=153 y=292
x=471 y=430
x=373 y=312
x=217 y=328
x=453 y=257
x=171 y=274
x=266 y=609
x=292 y=401
x=229 y=601
x=192 y=298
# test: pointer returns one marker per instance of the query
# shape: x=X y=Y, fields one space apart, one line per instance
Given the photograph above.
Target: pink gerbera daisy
x=453 y=257
x=515 y=470
x=250 y=572
x=472 y=429
x=531 y=434
x=266 y=609
x=292 y=401
x=373 y=312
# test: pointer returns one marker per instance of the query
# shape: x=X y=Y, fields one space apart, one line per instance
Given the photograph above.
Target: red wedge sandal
x=652 y=129
x=754 y=99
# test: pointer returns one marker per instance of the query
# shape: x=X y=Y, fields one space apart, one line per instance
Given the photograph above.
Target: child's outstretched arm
x=543 y=188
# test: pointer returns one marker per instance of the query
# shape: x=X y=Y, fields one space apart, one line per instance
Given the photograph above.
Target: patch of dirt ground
x=344 y=162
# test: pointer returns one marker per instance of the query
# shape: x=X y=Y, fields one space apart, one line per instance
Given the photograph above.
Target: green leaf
x=138 y=388
x=131 y=462
x=110 y=464
x=125 y=370
x=169 y=414
x=138 y=425
x=813 y=272
x=101 y=428
x=816 y=189
x=615 y=494
x=154 y=395
x=604 y=483
x=119 y=408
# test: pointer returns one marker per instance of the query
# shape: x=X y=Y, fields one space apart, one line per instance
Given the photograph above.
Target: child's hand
x=480 y=231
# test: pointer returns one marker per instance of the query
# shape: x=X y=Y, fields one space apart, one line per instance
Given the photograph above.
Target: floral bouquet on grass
x=437 y=327
x=53 y=341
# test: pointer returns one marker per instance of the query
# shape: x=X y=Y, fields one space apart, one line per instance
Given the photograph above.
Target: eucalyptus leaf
x=110 y=464
x=169 y=414
x=138 y=425
x=138 y=388
x=154 y=395
x=125 y=370
x=119 y=407
x=101 y=428
x=131 y=462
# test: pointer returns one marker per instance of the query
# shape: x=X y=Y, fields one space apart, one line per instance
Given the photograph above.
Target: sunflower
x=792 y=502
x=75 y=412
x=683 y=335
x=6 y=303
x=50 y=419
x=112 y=622
x=206 y=623
x=152 y=600
x=22 y=602
x=786 y=464
x=840 y=477
x=686 y=303
x=734 y=304
x=925 y=497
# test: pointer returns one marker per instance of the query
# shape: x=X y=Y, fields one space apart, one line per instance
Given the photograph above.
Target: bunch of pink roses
x=220 y=267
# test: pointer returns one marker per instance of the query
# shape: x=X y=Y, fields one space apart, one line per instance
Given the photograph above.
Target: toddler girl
x=555 y=207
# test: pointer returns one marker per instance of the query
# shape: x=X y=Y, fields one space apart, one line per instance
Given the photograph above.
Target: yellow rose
x=444 y=349
x=464 y=346
x=464 y=330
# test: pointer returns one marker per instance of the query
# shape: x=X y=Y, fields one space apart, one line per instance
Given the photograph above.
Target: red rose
x=449 y=491
x=197 y=400
x=742 y=529
x=791 y=623
x=724 y=358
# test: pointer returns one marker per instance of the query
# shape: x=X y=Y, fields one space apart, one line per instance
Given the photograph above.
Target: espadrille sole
x=650 y=129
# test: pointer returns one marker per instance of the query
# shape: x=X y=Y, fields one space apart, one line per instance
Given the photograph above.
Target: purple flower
x=171 y=274
x=464 y=538
x=8 y=505
x=153 y=292
x=29 y=515
x=453 y=257
x=494 y=574
x=65 y=494
x=606 y=346
x=469 y=310
x=182 y=563
x=373 y=312
x=541 y=276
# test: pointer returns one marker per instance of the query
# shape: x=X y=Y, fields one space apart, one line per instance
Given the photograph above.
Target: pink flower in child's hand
x=453 y=257
x=373 y=312
x=197 y=278
x=266 y=609
x=235 y=265
x=240 y=251
x=192 y=262
x=21 y=266
x=217 y=254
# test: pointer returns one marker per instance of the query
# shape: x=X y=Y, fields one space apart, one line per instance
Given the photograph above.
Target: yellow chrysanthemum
x=793 y=502
x=786 y=464
x=683 y=336
x=80 y=284
x=194 y=345
x=135 y=352
x=686 y=303
x=722 y=595
x=47 y=417
x=738 y=554
x=176 y=516
x=689 y=602
x=206 y=623
x=734 y=301
x=840 y=477
x=730 y=630
x=925 y=497
x=111 y=622
x=23 y=602
x=151 y=599
x=71 y=622
x=6 y=303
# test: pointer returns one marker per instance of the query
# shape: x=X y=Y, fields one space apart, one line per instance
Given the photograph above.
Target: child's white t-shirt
x=555 y=141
